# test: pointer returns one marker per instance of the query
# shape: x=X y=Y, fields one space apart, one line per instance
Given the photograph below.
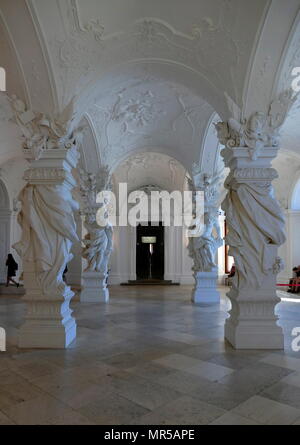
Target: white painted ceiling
x=154 y=169
x=149 y=75
x=146 y=113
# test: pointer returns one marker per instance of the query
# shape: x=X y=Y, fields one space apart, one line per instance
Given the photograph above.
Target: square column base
x=48 y=322
x=205 y=290
x=252 y=323
x=247 y=336
x=45 y=335
x=94 y=289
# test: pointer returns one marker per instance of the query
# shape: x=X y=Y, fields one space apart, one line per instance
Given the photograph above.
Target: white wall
x=286 y=189
x=123 y=259
x=11 y=174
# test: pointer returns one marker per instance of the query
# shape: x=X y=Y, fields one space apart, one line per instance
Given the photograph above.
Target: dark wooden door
x=143 y=270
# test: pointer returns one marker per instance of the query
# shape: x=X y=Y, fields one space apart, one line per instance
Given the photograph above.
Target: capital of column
x=54 y=166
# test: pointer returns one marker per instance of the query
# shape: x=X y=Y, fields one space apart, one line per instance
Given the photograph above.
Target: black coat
x=12 y=267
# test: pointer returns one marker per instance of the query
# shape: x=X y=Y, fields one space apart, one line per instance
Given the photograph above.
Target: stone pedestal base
x=94 y=289
x=48 y=322
x=252 y=323
x=205 y=290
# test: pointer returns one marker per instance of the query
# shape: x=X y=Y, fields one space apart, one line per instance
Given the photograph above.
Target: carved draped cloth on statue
x=256 y=229
x=204 y=252
x=96 y=242
x=98 y=247
x=48 y=231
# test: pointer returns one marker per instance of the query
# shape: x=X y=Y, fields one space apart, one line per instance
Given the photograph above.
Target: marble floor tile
x=183 y=411
x=233 y=361
x=178 y=361
x=255 y=379
x=35 y=369
x=284 y=393
x=146 y=393
x=182 y=337
x=149 y=356
x=68 y=418
x=15 y=393
x=113 y=409
x=151 y=371
x=182 y=382
x=37 y=411
x=283 y=361
x=267 y=412
x=79 y=395
x=4 y=420
x=233 y=419
x=210 y=371
x=292 y=379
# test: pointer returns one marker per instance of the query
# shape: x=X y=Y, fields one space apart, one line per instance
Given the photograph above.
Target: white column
x=48 y=231
x=256 y=230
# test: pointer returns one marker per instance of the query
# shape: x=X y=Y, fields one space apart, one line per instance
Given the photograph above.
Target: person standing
x=12 y=267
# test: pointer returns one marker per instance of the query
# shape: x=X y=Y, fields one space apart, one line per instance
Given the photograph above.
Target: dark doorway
x=150 y=252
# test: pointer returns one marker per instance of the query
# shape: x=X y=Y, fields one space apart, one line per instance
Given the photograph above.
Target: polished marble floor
x=148 y=357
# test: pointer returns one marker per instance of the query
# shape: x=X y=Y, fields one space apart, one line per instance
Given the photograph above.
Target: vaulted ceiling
x=151 y=75
x=151 y=169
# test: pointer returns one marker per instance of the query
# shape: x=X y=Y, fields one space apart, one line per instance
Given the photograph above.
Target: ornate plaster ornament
x=260 y=129
x=43 y=132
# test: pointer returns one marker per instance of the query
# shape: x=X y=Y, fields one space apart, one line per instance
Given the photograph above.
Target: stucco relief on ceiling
x=151 y=112
x=210 y=47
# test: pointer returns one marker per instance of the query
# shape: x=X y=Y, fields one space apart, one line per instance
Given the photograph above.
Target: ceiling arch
x=272 y=54
x=138 y=110
x=83 y=48
x=151 y=169
x=213 y=40
x=295 y=197
x=290 y=131
x=30 y=56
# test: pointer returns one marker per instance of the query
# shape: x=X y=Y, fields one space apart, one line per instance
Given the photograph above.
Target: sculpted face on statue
x=255 y=131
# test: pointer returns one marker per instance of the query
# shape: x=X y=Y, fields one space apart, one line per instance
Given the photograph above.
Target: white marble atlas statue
x=203 y=248
x=98 y=245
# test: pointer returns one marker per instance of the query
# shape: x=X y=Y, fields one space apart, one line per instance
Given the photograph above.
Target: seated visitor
x=294 y=284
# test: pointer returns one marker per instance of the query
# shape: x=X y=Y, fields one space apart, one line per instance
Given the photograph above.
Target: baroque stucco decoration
x=260 y=129
x=48 y=226
x=148 y=112
x=42 y=132
x=88 y=46
x=98 y=240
